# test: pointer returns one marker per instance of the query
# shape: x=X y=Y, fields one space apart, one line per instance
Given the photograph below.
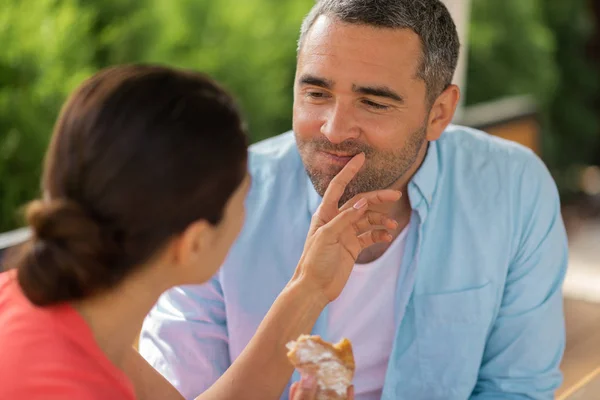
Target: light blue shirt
x=478 y=303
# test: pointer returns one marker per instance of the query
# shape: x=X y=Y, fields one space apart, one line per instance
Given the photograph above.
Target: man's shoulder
x=471 y=149
x=276 y=168
x=275 y=152
x=489 y=160
x=473 y=144
x=275 y=144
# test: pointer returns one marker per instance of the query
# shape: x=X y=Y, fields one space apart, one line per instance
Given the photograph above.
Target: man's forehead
x=329 y=30
x=334 y=44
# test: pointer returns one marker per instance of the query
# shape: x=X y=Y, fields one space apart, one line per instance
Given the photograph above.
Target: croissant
x=332 y=364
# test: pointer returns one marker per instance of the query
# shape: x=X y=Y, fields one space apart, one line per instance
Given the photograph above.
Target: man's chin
x=321 y=186
x=328 y=169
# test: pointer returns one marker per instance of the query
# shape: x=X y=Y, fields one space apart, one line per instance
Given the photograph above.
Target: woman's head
x=143 y=160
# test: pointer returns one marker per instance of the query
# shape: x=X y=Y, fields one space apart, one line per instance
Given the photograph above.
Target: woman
x=144 y=185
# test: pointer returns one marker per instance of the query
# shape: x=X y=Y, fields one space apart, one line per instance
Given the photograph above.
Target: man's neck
x=400 y=214
x=399 y=211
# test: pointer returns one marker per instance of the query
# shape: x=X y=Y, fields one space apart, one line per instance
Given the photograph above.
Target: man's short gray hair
x=430 y=19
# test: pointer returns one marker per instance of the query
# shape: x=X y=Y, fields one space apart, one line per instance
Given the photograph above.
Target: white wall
x=460 y=10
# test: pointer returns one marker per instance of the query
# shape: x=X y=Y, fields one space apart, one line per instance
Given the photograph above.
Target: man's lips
x=335 y=158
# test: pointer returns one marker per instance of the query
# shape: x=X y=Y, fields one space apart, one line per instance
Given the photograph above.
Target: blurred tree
x=595 y=55
x=511 y=51
x=46 y=52
x=539 y=47
x=572 y=122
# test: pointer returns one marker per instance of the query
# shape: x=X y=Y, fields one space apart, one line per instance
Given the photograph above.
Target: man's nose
x=340 y=124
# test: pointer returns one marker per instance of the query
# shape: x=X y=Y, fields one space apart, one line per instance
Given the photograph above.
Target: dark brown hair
x=138 y=153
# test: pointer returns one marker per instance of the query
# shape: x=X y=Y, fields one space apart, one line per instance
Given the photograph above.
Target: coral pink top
x=50 y=353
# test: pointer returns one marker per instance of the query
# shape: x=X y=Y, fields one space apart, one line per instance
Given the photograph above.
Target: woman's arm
x=335 y=239
x=262 y=370
x=148 y=382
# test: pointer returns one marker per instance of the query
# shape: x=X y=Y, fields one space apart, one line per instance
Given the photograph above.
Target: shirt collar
x=421 y=187
x=423 y=184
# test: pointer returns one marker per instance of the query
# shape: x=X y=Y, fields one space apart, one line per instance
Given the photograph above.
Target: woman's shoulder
x=48 y=351
x=55 y=386
x=29 y=336
x=19 y=318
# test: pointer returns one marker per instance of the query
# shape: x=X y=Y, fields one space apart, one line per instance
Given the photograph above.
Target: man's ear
x=442 y=111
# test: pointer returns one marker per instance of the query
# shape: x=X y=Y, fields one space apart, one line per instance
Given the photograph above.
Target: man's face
x=356 y=90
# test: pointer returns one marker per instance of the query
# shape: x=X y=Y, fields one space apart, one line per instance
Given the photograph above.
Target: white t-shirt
x=365 y=313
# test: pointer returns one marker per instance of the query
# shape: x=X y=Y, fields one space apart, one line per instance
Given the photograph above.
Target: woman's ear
x=193 y=243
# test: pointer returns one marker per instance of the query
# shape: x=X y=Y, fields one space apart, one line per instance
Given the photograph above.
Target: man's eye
x=375 y=105
x=315 y=95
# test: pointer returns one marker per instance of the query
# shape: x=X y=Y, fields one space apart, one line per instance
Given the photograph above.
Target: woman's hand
x=306 y=389
x=338 y=235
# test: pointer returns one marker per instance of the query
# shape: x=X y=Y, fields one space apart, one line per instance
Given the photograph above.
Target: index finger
x=338 y=184
x=306 y=389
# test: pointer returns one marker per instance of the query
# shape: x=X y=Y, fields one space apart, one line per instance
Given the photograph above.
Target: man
x=466 y=301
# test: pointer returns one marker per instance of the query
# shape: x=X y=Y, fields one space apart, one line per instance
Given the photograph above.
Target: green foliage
x=572 y=124
x=45 y=54
x=510 y=52
x=538 y=47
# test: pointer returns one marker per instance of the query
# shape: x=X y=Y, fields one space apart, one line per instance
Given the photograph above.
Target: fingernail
x=308 y=381
x=361 y=203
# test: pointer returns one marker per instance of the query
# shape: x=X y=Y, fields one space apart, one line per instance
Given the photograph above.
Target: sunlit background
x=530 y=72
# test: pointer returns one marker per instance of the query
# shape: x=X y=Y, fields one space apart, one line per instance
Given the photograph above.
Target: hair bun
x=68 y=256
x=60 y=220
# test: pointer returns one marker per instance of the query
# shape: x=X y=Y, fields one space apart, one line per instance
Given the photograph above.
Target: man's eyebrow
x=379 y=91
x=316 y=81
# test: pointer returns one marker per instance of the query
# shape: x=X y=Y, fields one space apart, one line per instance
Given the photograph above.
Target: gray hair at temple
x=430 y=19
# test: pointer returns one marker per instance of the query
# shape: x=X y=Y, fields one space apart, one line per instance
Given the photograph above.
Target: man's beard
x=381 y=169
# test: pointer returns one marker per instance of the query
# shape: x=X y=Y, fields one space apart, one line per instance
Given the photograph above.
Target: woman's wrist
x=307 y=291
x=263 y=366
